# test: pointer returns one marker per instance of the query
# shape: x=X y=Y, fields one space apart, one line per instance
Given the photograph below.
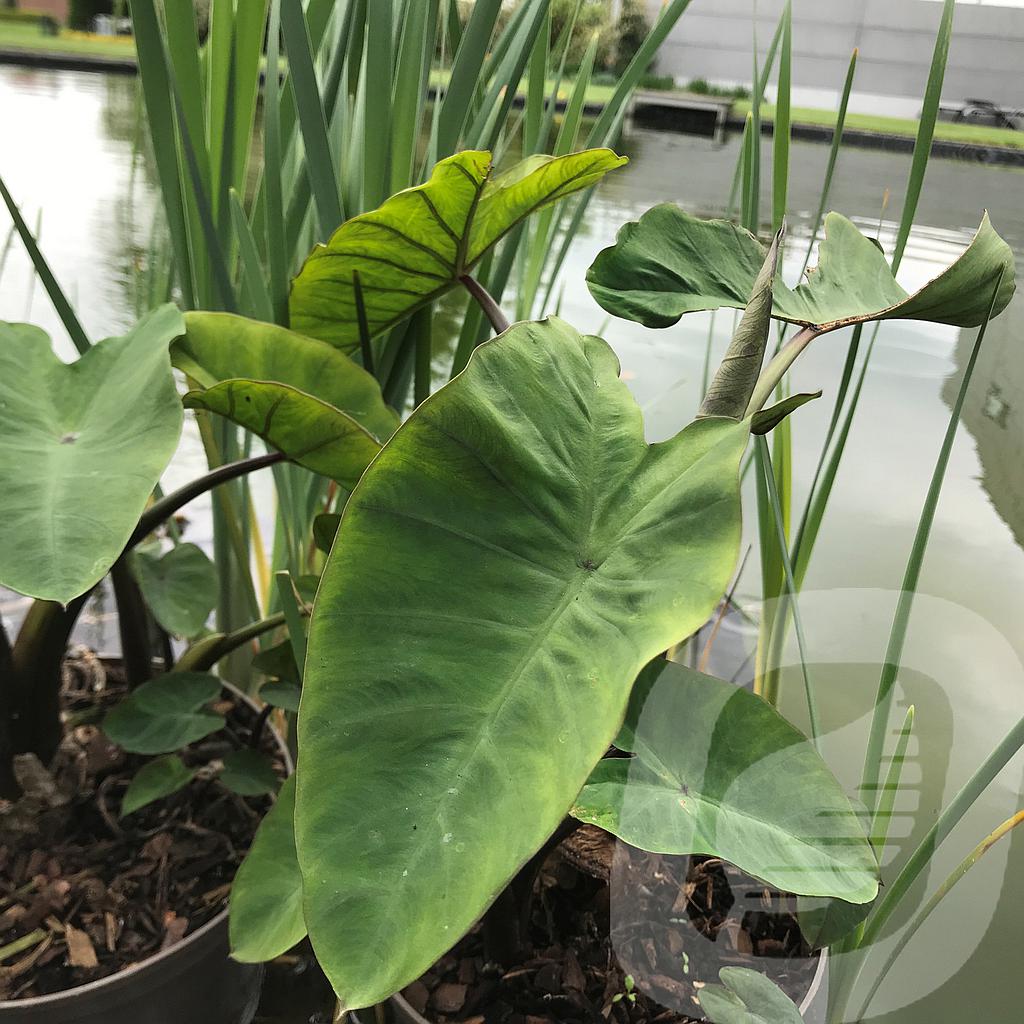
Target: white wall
x=713 y=40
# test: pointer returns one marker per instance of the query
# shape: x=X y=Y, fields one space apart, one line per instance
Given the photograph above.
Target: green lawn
x=948 y=131
x=18 y=36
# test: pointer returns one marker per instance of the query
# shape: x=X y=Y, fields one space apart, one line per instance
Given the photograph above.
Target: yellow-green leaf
x=417 y=245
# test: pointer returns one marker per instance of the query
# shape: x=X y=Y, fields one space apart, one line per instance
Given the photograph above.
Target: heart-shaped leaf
x=249 y=773
x=278 y=662
x=502 y=572
x=301 y=395
x=308 y=431
x=715 y=773
x=180 y=586
x=325 y=528
x=82 y=445
x=281 y=695
x=154 y=781
x=669 y=263
x=417 y=245
x=266 y=917
x=218 y=347
x=165 y=714
x=748 y=997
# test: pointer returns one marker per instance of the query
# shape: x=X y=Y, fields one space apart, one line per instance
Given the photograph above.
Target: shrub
x=630 y=32
x=83 y=11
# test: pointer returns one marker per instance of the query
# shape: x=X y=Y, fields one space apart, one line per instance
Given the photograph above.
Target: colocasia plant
x=485 y=666
x=82 y=448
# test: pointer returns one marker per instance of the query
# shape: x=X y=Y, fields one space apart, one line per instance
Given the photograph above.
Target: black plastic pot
x=812 y=1009
x=192 y=982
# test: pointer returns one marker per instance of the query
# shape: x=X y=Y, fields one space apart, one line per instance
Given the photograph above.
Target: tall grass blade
x=160 y=116
x=312 y=119
x=273 y=170
x=881 y=820
x=253 y=284
x=833 y=155
x=950 y=817
x=378 y=69
x=542 y=229
x=925 y=131
x=60 y=303
x=249 y=33
x=418 y=32
x=781 y=136
x=536 y=89
x=365 y=342
x=771 y=487
x=905 y=604
x=937 y=897
x=422 y=331
x=469 y=59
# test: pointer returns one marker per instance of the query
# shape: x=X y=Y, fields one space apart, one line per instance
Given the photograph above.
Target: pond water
x=71 y=141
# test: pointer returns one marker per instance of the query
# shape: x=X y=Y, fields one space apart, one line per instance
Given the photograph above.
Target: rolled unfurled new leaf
x=82 y=445
x=417 y=245
x=502 y=572
x=715 y=773
x=768 y=419
x=734 y=381
x=669 y=263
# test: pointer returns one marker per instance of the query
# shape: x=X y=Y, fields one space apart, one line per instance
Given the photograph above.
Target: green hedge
x=83 y=11
x=47 y=25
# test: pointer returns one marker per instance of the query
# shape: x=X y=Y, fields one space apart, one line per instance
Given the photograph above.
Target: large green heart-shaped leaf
x=669 y=263
x=180 y=586
x=502 y=572
x=82 y=445
x=747 y=997
x=720 y=772
x=417 y=245
x=165 y=714
x=218 y=347
x=266 y=917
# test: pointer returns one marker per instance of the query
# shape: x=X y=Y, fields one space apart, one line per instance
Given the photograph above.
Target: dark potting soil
x=605 y=913
x=86 y=893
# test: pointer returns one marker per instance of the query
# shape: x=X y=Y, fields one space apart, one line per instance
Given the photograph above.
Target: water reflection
x=73 y=151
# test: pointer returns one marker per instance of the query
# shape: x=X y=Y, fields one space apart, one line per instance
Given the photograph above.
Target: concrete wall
x=896 y=37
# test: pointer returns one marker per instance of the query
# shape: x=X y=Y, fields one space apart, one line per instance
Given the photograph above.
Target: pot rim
x=121 y=977
x=812 y=993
